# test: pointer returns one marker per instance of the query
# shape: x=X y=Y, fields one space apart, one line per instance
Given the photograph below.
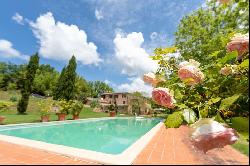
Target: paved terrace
x=169 y=146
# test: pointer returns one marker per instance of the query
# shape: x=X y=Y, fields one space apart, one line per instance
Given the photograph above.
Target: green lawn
x=33 y=112
x=242 y=144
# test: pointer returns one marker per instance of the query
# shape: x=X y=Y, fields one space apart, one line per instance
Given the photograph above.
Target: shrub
x=12 y=86
x=65 y=106
x=94 y=104
x=45 y=108
x=4 y=105
x=13 y=98
x=76 y=108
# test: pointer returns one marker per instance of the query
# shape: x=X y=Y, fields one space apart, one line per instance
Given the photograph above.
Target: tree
x=45 y=80
x=209 y=29
x=98 y=87
x=82 y=89
x=65 y=87
x=27 y=83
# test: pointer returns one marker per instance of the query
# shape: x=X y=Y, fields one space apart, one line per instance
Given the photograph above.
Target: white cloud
x=7 y=50
x=133 y=59
x=98 y=14
x=18 y=18
x=60 y=41
x=136 y=84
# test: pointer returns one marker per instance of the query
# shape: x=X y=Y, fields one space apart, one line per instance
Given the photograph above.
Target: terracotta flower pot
x=2 y=119
x=45 y=118
x=61 y=116
x=112 y=113
x=75 y=117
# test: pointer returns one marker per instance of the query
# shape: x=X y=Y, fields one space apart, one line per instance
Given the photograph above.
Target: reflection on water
x=109 y=136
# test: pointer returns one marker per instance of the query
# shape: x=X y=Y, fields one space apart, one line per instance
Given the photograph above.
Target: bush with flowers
x=218 y=90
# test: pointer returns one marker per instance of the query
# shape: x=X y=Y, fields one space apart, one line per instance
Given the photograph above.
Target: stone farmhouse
x=127 y=103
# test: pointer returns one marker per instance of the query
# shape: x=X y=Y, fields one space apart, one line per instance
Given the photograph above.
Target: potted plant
x=45 y=115
x=112 y=110
x=2 y=118
x=45 y=111
x=76 y=108
x=64 y=107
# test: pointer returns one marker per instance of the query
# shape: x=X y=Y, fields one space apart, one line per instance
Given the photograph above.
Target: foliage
x=64 y=106
x=76 y=107
x=98 y=87
x=240 y=123
x=82 y=89
x=45 y=80
x=208 y=29
x=27 y=83
x=112 y=107
x=11 y=75
x=174 y=120
x=94 y=104
x=189 y=116
x=203 y=36
x=4 y=105
x=45 y=108
x=65 y=87
x=13 y=98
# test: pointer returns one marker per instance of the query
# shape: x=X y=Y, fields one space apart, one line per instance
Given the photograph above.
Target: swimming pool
x=109 y=136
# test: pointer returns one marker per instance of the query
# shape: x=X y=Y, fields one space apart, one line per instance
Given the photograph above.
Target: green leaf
x=213 y=100
x=214 y=54
x=189 y=116
x=218 y=118
x=174 y=120
x=181 y=106
x=227 y=102
x=203 y=113
x=228 y=57
x=177 y=94
x=244 y=64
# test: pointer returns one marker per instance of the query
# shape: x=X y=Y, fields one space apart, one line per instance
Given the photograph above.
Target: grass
x=242 y=144
x=33 y=111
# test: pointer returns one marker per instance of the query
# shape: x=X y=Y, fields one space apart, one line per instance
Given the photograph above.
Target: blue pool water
x=110 y=136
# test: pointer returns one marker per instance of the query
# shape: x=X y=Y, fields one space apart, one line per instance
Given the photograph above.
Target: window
x=110 y=96
x=124 y=102
x=104 y=96
x=116 y=96
x=123 y=96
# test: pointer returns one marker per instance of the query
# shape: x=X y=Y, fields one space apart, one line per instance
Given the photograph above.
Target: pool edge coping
x=124 y=158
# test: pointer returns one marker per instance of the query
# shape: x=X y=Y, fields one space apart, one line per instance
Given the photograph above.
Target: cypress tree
x=27 y=82
x=57 y=92
x=70 y=80
x=65 y=88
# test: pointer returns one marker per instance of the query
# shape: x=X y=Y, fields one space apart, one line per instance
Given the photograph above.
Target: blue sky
x=111 y=39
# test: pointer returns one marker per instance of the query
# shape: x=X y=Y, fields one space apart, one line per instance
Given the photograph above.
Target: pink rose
x=163 y=97
x=210 y=134
x=152 y=79
x=240 y=43
x=191 y=75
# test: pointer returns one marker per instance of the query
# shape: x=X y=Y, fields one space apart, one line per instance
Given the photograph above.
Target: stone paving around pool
x=169 y=146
